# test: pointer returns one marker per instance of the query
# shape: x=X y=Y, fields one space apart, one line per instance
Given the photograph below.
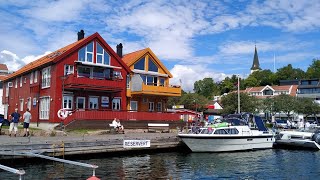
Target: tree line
x=206 y=89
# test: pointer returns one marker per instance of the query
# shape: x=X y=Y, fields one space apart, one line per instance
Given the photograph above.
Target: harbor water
x=263 y=164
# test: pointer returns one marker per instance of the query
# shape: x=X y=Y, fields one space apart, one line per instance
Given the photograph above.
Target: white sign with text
x=136 y=143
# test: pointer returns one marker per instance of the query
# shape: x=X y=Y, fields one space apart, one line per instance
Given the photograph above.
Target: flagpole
x=238 y=94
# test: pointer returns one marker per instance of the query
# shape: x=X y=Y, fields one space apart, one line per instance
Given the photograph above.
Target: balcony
x=158 y=90
x=85 y=83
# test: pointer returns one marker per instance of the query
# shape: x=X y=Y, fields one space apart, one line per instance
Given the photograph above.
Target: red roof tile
x=3 y=67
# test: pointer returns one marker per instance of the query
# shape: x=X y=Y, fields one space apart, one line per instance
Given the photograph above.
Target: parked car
x=281 y=123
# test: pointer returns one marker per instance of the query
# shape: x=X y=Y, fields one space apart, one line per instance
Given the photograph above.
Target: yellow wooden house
x=148 y=87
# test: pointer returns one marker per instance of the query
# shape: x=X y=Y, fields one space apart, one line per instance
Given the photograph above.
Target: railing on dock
x=20 y=172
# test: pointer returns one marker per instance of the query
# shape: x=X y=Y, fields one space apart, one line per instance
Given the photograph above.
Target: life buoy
x=62 y=114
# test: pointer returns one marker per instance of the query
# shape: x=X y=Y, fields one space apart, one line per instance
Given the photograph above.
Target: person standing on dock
x=15 y=117
x=26 y=122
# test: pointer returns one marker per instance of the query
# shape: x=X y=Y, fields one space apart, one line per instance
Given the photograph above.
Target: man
x=15 y=117
x=26 y=122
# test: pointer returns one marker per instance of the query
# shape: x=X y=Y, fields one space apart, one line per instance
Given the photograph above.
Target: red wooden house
x=84 y=76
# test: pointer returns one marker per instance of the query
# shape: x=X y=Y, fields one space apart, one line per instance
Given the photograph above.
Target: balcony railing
x=159 y=90
x=73 y=82
x=122 y=115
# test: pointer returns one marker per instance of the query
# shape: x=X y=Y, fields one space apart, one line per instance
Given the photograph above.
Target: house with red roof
x=86 y=76
x=270 y=91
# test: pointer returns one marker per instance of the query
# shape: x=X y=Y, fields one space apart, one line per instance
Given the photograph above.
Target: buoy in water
x=93 y=178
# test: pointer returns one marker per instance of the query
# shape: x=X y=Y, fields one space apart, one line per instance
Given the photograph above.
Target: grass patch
x=79 y=131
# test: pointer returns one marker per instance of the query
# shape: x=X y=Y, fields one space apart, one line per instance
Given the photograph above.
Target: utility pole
x=238 y=94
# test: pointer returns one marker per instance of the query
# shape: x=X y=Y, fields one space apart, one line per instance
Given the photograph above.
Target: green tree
x=193 y=101
x=251 y=82
x=247 y=103
x=286 y=104
x=289 y=73
x=308 y=107
x=206 y=88
x=264 y=77
x=313 y=70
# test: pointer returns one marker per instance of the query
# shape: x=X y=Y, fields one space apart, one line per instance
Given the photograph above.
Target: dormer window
x=268 y=92
x=85 y=54
x=102 y=56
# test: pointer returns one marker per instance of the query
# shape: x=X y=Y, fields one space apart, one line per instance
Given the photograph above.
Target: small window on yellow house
x=140 y=64
x=152 y=66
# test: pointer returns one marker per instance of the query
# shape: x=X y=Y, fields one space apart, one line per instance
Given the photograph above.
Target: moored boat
x=298 y=140
x=234 y=133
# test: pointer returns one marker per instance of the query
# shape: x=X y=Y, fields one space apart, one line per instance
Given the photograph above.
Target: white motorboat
x=234 y=133
x=298 y=139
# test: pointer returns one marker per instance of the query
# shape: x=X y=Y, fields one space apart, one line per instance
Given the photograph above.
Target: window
x=101 y=73
x=140 y=64
x=85 y=54
x=35 y=76
x=133 y=105
x=44 y=108
x=151 y=66
x=159 y=106
x=128 y=81
x=102 y=56
x=84 y=71
x=68 y=69
x=46 y=76
x=93 y=102
x=31 y=77
x=21 y=81
x=67 y=102
x=16 y=84
x=151 y=106
x=21 y=104
x=161 y=81
x=117 y=75
x=7 y=90
x=25 y=80
x=268 y=92
x=81 y=102
x=220 y=131
x=116 y=103
x=152 y=80
x=29 y=103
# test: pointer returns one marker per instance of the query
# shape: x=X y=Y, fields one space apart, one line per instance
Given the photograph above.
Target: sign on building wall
x=105 y=101
x=34 y=101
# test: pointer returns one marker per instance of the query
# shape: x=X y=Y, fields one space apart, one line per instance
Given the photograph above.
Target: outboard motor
x=316 y=137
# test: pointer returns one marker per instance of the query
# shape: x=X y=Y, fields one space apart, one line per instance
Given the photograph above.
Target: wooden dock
x=13 y=147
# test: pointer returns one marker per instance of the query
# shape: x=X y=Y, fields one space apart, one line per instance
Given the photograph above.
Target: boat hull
x=297 y=143
x=198 y=143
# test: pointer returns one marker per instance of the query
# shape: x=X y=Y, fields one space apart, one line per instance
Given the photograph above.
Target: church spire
x=255 y=65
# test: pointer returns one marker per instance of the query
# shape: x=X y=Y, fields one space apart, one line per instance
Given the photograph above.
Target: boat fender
x=316 y=137
x=93 y=178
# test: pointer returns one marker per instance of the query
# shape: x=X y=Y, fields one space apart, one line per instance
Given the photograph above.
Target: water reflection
x=265 y=164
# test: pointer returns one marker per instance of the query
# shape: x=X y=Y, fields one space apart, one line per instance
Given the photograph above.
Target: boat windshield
x=232 y=121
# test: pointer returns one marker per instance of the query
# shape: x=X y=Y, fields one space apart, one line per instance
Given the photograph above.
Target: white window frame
x=103 y=53
x=69 y=99
x=29 y=102
x=21 y=104
x=159 y=106
x=35 y=76
x=97 y=102
x=44 y=108
x=21 y=81
x=116 y=102
x=151 y=106
x=7 y=90
x=68 y=69
x=134 y=102
x=84 y=102
x=46 y=77
x=25 y=80
x=31 y=78
x=128 y=81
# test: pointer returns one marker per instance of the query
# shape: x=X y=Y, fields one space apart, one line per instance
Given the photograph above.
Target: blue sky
x=194 y=39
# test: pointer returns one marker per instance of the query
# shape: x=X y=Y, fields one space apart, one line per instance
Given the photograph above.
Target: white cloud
x=189 y=74
x=14 y=63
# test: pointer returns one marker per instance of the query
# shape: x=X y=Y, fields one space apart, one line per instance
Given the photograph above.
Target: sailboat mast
x=238 y=94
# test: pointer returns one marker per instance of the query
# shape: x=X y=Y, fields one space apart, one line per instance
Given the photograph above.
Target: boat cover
x=259 y=123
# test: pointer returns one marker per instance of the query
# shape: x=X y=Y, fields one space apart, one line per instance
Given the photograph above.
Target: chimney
x=80 y=35
x=119 y=50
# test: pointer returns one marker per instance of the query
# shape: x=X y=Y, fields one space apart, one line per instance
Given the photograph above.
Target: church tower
x=255 y=65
